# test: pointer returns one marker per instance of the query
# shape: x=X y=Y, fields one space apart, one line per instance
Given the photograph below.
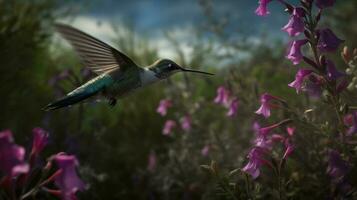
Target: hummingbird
x=117 y=74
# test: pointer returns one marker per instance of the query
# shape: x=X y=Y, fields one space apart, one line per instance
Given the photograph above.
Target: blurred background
x=122 y=150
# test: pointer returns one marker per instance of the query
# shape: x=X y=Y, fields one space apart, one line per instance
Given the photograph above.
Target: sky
x=151 y=18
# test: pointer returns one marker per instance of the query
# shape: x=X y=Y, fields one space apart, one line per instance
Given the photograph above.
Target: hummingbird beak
x=195 y=71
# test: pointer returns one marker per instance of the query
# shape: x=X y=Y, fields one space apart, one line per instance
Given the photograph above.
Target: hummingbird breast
x=148 y=77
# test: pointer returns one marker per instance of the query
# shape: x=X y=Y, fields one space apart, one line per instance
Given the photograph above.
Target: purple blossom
x=40 y=140
x=11 y=155
x=163 y=106
x=294 y=51
x=332 y=72
x=222 y=96
x=353 y=121
x=313 y=86
x=169 y=125
x=265 y=107
x=299 y=79
x=205 y=150
x=256 y=160
x=328 y=41
x=262 y=141
x=337 y=167
x=262 y=9
x=324 y=3
x=186 y=123
x=68 y=181
x=152 y=162
x=295 y=26
x=233 y=107
x=256 y=127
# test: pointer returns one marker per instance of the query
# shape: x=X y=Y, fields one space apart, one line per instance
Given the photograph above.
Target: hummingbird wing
x=97 y=55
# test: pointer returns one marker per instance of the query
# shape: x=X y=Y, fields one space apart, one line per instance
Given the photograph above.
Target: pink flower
x=294 y=51
x=262 y=9
x=68 y=181
x=152 y=162
x=11 y=156
x=40 y=140
x=295 y=25
x=163 y=106
x=299 y=79
x=233 y=107
x=169 y=125
x=205 y=150
x=328 y=41
x=222 y=96
x=256 y=160
x=265 y=105
x=186 y=123
x=290 y=130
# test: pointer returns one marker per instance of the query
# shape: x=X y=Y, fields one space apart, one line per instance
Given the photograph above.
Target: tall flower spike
x=295 y=25
x=299 y=79
x=169 y=125
x=40 y=140
x=68 y=181
x=332 y=72
x=11 y=156
x=262 y=9
x=233 y=107
x=324 y=3
x=222 y=96
x=265 y=105
x=328 y=41
x=163 y=106
x=294 y=51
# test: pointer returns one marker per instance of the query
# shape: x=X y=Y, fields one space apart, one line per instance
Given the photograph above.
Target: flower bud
x=345 y=54
x=349 y=71
x=322 y=61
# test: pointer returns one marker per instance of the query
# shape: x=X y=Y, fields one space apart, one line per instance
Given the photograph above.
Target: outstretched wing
x=97 y=55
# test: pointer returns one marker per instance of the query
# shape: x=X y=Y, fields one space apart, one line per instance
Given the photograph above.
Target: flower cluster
x=170 y=124
x=263 y=144
x=225 y=99
x=319 y=75
x=17 y=171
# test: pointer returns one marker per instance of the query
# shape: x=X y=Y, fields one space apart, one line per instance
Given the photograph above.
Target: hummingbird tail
x=68 y=100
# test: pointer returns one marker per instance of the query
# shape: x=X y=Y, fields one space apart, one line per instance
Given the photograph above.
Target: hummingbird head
x=165 y=68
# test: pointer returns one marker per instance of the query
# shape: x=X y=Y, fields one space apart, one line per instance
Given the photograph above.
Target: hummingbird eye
x=170 y=65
